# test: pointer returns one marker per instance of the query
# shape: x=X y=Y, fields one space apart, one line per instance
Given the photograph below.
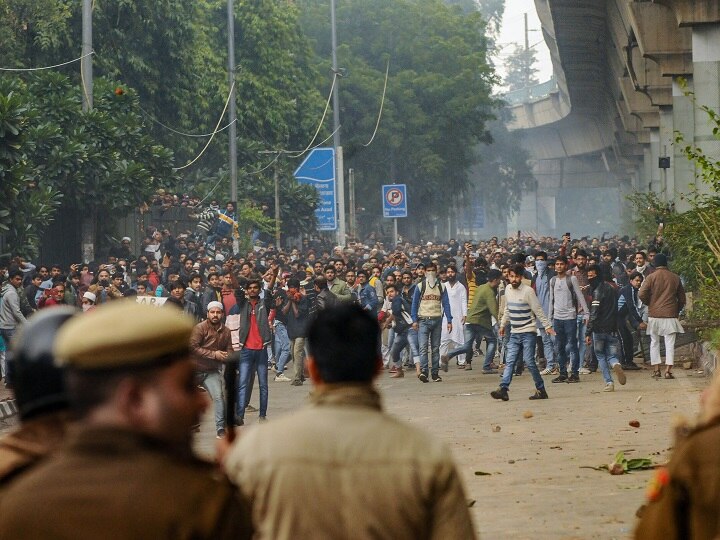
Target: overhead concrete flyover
x=628 y=76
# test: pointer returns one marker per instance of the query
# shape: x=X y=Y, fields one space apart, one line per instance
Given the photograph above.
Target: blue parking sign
x=394 y=201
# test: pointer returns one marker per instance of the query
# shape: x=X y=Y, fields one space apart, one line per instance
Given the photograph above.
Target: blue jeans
x=212 y=381
x=566 y=341
x=282 y=347
x=252 y=361
x=606 y=348
x=399 y=343
x=548 y=348
x=581 y=326
x=472 y=333
x=429 y=330
x=527 y=341
x=8 y=368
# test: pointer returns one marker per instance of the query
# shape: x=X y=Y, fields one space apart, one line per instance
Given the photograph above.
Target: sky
x=513 y=31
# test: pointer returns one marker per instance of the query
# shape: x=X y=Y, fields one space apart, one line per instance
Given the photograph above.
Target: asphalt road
x=536 y=484
x=536 y=487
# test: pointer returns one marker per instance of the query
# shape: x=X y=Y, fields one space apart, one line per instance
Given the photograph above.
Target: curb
x=8 y=408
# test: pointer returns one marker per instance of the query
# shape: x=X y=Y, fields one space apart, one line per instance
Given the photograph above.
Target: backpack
x=568 y=281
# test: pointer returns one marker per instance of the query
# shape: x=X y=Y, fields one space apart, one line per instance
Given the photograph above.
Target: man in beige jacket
x=340 y=467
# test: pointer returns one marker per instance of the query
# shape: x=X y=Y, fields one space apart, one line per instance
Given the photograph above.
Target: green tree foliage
x=437 y=102
x=502 y=173
x=22 y=204
x=103 y=162
x=173 y=55
x=520 y=69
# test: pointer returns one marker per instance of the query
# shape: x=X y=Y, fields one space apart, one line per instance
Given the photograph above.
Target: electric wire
x=382 y=104
x=227 y=102
x=198 y=135
x=49 y=67
x=322 y=120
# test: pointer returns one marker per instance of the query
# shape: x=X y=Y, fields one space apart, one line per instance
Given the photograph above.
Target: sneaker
x=546 y=371
x=262 y=419
x=220 y=434
x=468 y=366
x=539 y=394
x=444 y=360
x=436 y=378
x=500 y=393
x=560 y=378
x=239 y=422
x=584 y=371
x=296 y=383
x=620 y=374
x=489 y=371
x=423 y=377
x=250 y=408
x=397 y=374
x=573 y=379
x=462 y=366
x=281 y=378
x=609 y=387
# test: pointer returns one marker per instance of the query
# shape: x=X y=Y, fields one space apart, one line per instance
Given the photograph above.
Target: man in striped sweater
x=522 y=308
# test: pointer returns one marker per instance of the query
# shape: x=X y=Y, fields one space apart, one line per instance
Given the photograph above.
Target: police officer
x=128 y=471
x=39 y=393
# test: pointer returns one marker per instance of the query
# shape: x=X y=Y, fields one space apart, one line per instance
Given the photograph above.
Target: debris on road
x=634 y=423
x=528 y=414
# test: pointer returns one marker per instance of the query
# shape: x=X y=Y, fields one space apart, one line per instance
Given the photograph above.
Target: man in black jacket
x=602 y=330
x=630 y=319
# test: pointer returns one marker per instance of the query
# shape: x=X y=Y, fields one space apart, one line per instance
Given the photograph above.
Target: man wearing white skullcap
x=210 y=345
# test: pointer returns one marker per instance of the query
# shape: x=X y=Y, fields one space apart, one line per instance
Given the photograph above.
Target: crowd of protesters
x=434 y=300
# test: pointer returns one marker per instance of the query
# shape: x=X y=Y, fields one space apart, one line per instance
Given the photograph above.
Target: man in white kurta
x=457 y=297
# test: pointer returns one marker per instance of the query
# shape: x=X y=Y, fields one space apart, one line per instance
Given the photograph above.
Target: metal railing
x=531 y=93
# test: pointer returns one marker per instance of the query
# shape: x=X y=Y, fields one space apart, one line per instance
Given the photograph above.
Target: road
x=537 y=486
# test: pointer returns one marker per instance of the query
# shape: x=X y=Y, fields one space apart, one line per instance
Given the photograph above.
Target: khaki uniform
x=35 y=440
x=341 y=468
x=132 y=487
x=685 y=498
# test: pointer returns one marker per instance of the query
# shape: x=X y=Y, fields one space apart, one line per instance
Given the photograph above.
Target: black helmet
x=39 y=386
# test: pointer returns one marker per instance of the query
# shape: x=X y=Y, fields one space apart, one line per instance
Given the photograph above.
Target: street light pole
x=339 y=173
x=87 y=224
x=232 y=115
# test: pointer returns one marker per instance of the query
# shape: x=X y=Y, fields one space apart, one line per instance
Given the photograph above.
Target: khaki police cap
x=122 y=334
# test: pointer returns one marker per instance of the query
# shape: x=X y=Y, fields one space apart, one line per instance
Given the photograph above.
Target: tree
x=437 y=102
x=103 y=162
x=503 y=172
x=520 y=69
x=23 y=204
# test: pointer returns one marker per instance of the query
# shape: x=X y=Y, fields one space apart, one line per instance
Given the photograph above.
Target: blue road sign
x=318 y=169
x=394 y=201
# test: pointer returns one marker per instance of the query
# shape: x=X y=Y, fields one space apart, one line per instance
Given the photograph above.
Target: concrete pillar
x=706 y=83
x=667 y=176
x=646 y=172
x=654 y=171
x=683 y=122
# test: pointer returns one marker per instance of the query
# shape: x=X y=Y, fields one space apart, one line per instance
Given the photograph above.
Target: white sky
x=513 y=31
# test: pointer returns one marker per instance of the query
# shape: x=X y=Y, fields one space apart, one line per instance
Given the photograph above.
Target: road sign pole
x=340 y=197
x=395 y=232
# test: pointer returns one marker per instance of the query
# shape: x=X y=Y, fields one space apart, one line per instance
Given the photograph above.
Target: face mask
x=431 y=276
x=86 y=307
